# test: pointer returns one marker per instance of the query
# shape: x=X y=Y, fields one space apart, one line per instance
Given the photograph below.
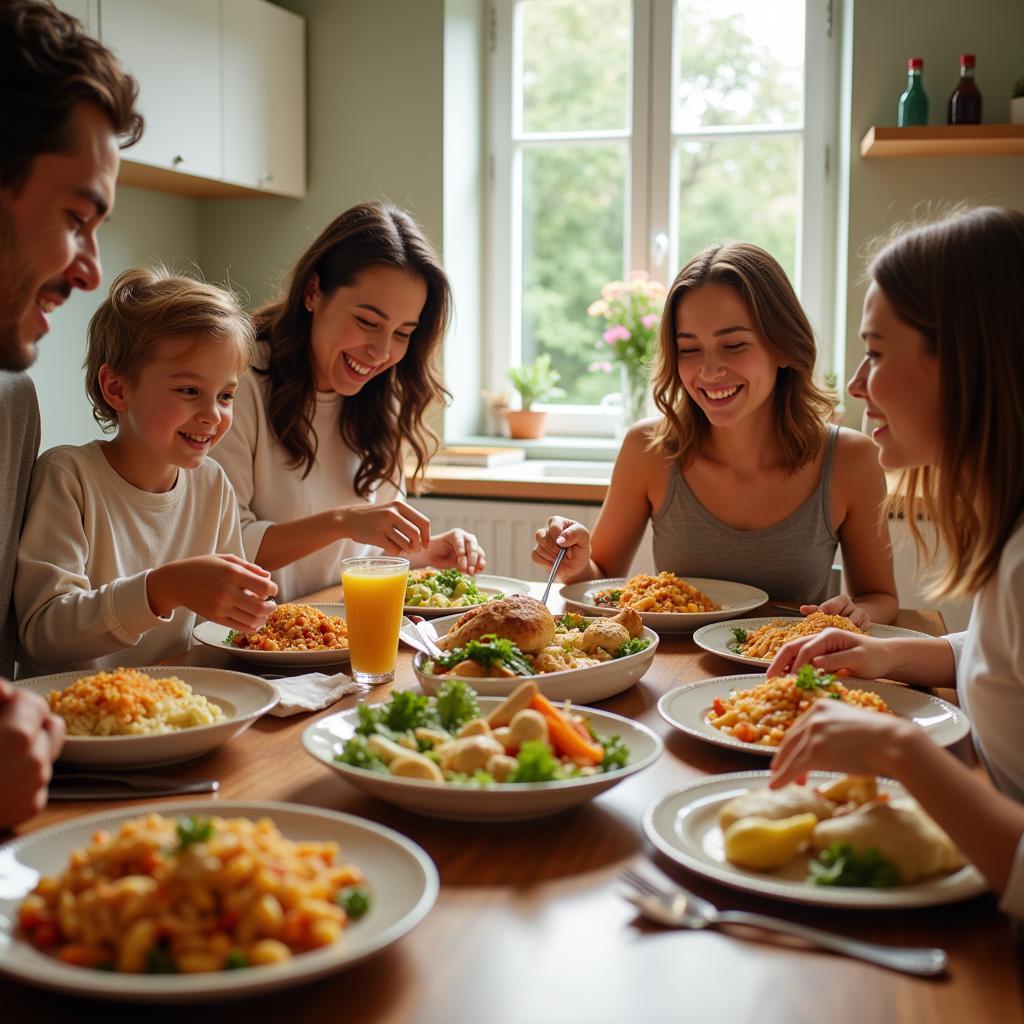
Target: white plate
x=499 y=802
x=683 y=824
x=687 y=708
x=402 y=880
x=212 y=635
x=580 y=685
x=241 y=697
x=715 y=639
x=487 y=584
x=733 y=597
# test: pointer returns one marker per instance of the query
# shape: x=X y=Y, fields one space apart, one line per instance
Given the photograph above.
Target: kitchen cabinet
x=174 y=50
x=264 y=114
x=86 y=11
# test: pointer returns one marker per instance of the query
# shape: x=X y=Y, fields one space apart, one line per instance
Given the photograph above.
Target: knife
x=108 y=786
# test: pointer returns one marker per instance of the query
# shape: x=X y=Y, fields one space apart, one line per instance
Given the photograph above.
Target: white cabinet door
x=263 y=49
x=84 y=10
x=173 y=49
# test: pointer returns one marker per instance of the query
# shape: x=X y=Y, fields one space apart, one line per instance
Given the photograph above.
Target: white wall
x=880 y=36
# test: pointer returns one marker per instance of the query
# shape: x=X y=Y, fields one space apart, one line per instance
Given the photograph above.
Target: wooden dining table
x=531 y=924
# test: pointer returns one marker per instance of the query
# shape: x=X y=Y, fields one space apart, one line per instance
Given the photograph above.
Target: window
x=625 y=135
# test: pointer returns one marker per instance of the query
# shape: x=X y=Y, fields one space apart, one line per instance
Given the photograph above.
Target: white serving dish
x=580 y=685
x=499 y=802
x=242 y=698
x=486 y=583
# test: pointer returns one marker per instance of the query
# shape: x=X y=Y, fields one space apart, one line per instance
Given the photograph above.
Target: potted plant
x=1017 y=102
x=535 y=382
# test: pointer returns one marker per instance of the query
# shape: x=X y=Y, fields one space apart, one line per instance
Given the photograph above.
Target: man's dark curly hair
x=49 y=63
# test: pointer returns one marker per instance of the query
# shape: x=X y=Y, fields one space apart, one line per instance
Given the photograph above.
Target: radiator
x=506 y=529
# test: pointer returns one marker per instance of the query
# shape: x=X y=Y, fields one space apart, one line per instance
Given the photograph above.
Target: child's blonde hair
x=147 y=305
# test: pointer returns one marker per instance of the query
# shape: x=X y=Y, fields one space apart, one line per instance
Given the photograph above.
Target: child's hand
x=455 y=549
x=30 y=740
x=395 y=526
x=223 y=588
x=568 y=534
x=840 y=605
x=834 y=650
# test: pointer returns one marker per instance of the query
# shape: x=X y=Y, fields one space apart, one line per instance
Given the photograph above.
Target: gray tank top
x=790 y=560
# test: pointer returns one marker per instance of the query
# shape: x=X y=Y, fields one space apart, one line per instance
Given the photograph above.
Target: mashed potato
x=127 y=702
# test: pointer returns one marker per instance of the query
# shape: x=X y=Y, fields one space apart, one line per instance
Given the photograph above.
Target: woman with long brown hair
x=943 y=379
x=741 y=477
x=344 y=377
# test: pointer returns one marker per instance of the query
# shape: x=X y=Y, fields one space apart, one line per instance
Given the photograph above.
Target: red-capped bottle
x=965 y=103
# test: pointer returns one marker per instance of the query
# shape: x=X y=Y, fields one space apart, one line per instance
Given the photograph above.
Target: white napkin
x=311 y=692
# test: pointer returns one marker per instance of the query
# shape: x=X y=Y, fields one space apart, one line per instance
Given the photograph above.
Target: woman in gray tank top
x=740 y=477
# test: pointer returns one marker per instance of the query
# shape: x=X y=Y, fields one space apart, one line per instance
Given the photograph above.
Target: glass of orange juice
x=374 y=597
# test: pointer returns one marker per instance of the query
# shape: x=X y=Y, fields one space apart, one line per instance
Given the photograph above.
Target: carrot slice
x=564 y=738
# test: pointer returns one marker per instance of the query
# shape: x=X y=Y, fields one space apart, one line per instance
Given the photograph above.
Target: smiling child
x=126 y=541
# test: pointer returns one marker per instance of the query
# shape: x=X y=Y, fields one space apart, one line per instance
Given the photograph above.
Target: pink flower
x=600 y=367
x=616 y=333
x=638 y=275
x=649 y=321
x=598 y=308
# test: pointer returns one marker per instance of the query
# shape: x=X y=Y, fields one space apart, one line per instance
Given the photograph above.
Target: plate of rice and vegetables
x=435 y=592
x=199 y=901
x=143 y=717
x=751 y=713
x=571 y=657
x=757 y=641
x=293 y=635
x=666 y=603
x=459 y=755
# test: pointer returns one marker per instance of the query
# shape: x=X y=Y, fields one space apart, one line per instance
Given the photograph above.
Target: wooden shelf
x=944 y=140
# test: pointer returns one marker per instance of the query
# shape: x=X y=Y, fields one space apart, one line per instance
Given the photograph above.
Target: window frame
x=650 y=243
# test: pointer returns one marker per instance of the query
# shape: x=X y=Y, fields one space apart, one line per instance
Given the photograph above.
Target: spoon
x=551 y=575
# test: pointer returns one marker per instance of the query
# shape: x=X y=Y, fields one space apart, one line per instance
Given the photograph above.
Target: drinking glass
x=374 y=597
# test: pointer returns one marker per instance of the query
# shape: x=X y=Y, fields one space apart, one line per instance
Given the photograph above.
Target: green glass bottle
x=913 y=103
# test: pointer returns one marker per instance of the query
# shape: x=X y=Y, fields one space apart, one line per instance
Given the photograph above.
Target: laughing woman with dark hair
x=343 y=380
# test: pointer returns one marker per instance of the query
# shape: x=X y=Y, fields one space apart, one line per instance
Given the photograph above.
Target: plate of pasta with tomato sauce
x=195 y=901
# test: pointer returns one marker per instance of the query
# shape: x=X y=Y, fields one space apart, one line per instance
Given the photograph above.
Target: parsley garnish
x=192 y=830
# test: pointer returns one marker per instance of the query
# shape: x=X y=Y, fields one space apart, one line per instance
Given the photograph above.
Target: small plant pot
x=1017 y=110
x=526 y=424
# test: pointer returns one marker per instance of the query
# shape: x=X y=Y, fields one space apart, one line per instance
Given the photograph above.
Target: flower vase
x=633 y=390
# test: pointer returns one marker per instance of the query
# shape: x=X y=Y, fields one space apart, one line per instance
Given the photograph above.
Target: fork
x=676 y=907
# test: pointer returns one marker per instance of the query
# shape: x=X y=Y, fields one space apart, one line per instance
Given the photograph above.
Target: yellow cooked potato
x=764 y=845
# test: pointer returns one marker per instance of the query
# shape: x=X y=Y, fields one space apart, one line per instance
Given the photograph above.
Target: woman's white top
x=990 y=682
x=269 y=491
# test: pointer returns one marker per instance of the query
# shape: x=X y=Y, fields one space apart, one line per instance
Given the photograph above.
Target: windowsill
x=577 y=449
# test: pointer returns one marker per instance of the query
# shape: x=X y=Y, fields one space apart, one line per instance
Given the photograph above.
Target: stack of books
x=467 y=455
